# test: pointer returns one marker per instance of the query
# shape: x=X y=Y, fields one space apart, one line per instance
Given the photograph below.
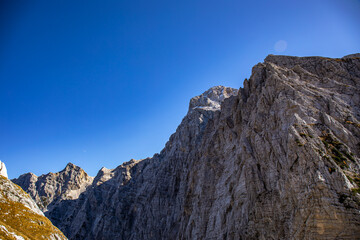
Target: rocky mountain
x=276 y=159
x=20 y=217
x=52 y=190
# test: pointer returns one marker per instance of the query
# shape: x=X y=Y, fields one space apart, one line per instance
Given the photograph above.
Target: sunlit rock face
x=3 y=171
x=20 y=217
x=276 y=159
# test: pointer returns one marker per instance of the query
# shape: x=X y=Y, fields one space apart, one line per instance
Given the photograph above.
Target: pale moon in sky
x=280 y=46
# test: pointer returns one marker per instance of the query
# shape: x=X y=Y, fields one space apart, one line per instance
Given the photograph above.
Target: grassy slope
x=19 y=219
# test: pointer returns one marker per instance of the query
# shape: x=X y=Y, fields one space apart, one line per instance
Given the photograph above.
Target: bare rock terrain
x=276 y=159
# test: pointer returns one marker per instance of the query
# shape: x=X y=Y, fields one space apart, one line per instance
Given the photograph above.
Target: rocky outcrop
x=3 y=171
x=20 y=217
x=278 y=159
x=54 y=189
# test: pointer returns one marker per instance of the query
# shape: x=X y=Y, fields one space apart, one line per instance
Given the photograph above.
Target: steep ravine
x=278 y=159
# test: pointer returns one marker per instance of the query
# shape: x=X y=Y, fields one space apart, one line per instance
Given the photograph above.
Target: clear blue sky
x=97 y=83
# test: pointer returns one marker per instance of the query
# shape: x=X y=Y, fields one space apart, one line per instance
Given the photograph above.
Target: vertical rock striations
x=278 y=159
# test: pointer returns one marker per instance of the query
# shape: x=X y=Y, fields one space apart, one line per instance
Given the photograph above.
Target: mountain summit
x=212 y=98
x=276 y=159
x=53 y=189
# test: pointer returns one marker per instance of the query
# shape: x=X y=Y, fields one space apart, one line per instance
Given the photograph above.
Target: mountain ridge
x=50 y=189
x=277 y=159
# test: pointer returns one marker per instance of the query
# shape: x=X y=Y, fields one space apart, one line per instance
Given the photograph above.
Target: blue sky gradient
x=97 y=83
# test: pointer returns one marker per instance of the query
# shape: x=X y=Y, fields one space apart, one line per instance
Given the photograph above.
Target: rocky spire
x=3 y=171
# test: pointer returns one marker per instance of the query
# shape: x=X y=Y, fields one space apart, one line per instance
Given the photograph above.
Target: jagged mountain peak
x=120 y=174
x=72 y=169
x=51 y=189
x=26 y=180
x=212 y=98
x=71 y=166
x=103 y=175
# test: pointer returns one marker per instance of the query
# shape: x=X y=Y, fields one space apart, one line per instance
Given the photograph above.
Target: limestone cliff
x=278 y=159
x=20 y=217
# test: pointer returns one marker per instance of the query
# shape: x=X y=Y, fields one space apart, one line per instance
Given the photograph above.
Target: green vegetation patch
x=337 y=151
x=354 y=179
x=355 y=190
x=303 y=134
x=298 y=142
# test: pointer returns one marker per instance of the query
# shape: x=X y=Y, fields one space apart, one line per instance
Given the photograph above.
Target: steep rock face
x=277 y=160
x=20 y=217
x=55 y=189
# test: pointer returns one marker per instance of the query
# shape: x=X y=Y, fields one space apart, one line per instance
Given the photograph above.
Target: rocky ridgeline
x=20 y=217
x=53 y=189
x=277 y=159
